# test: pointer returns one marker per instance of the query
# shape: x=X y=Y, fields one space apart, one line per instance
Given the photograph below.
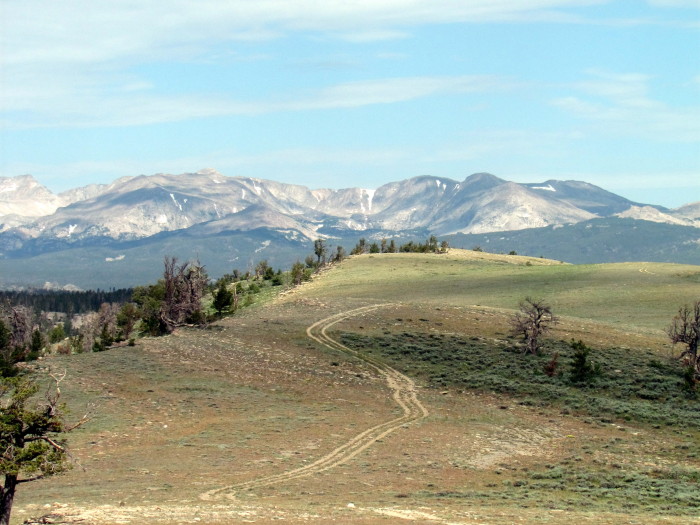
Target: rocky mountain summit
x=138 y=207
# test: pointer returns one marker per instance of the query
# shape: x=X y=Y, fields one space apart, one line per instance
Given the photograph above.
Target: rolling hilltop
x=389 y=389
x=110 y=235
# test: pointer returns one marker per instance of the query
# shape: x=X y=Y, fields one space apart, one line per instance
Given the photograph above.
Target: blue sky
x=356 y=92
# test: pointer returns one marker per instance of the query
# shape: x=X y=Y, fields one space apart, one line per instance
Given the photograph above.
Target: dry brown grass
x=252 y=396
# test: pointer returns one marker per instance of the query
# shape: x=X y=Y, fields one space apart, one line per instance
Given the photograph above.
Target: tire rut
x=403 y=392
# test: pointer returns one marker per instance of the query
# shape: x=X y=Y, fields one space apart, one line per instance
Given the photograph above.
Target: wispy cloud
x=393 y=90
x=74 y=62
x=93 y=106
x=621 y=105
x=80 y=32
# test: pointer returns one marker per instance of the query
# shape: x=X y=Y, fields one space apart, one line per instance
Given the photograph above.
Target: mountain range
x=147 y=214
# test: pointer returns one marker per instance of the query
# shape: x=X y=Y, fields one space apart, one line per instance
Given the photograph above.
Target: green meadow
x=641 y=295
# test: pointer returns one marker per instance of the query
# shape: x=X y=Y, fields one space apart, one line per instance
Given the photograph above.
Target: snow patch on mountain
x=548 y=187
x=263 y=245
x=175 y=201
x=441 y=185
x=367 y=195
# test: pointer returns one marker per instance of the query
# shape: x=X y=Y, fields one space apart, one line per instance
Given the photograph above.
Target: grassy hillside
x=253 y=397
x=620 y=310
x=639 y=295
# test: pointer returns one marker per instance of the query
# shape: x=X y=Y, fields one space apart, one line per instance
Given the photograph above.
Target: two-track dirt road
x=403 y=391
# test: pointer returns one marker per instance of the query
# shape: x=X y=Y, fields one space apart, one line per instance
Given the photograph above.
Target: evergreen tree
x=126 y=319
x=57 y=334
x=360 y=247
x=7 y=362
x=68 y=324
x=222 y=299
x=297 y=273
x=4 y=336
x=36 y=345
x=582 y=370
x=30 y=444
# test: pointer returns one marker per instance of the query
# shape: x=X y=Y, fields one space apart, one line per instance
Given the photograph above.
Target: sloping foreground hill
x=266 y=417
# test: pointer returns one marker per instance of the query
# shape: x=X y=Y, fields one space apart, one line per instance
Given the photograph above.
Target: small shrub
x=690 y=382
x=551 y=367
x=197 y=317
x=582 y=371
x=64 y=349
x=468 y=363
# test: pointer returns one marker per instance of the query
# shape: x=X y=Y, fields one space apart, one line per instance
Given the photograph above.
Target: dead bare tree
x=16 y=323
x=108 y=318
x=89 y=330
x=19 y=319
x=531 y=322
x=685 y=329
x=184 y=287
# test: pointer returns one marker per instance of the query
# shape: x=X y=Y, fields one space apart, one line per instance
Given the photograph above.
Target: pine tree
x=222 y=299
x=30 y=444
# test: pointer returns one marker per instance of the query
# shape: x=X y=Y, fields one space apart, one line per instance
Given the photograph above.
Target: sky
x=336 y=94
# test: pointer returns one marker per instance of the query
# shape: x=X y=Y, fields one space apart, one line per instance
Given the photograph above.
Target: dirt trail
x=403 y=392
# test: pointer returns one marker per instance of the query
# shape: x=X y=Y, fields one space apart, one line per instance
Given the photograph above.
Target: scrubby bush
x=581 y=370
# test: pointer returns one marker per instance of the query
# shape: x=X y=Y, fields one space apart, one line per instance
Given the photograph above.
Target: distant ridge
x=166 y=212
x=137 y=207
